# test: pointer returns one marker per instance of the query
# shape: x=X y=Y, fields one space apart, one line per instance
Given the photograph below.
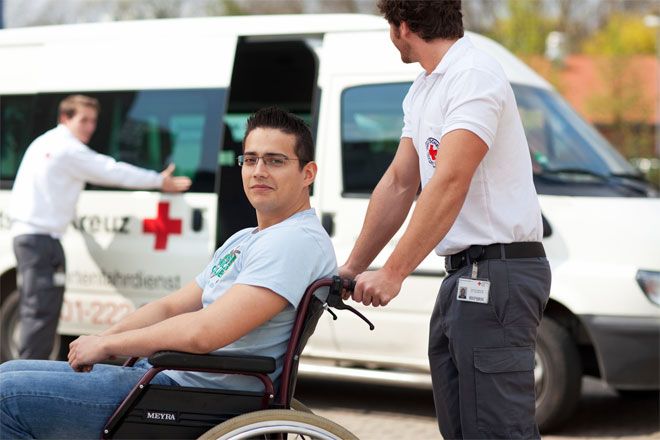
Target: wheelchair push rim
x=269 y=422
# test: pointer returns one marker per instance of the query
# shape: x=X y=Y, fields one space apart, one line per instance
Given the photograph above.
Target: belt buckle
x=475 y=252
x=448 y=268
x=449 y=262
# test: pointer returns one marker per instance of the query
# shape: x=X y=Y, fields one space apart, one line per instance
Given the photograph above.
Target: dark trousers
x=41 y=265
x=482 y=355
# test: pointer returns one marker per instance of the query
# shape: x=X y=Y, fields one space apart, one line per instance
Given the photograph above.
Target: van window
x=561 y=143
x=148 y=129
x=371 y=123
x=15 y=134
x=560 y=140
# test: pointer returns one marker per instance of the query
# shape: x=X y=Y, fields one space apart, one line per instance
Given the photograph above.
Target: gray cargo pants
x=482 y=355
x=40 y=264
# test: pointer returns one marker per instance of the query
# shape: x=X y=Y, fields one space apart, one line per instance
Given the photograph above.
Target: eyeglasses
x=270 y=160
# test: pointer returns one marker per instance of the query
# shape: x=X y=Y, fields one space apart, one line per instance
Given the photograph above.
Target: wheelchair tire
x=297 y=405
x=261 y=424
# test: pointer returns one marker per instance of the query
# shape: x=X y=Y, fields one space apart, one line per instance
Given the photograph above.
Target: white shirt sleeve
x=475 y=100
x=85 y=164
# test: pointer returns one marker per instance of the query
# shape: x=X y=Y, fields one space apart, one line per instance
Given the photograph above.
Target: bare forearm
x=226 y=320
x=177 y=333
x=194 y=330
x=146 y=315
x=388 y=208
x=437 y=208
x=440 y=202
x=419 y=240
x=186 y=299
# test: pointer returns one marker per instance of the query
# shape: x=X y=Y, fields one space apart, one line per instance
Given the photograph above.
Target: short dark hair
x=430 y=19
x=72 y=103
x=277 y=118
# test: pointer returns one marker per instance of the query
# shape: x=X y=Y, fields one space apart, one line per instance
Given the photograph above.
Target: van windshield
x=560 y=140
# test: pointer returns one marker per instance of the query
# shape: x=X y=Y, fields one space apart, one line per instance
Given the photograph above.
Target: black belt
x=523 y=249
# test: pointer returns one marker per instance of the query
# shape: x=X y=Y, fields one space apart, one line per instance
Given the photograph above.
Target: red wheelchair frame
x=155 y=411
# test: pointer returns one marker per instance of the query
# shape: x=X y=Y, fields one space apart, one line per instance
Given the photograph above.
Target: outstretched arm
x=186 y=299
x=88 y=165
x=236 y=313
x=388 y=208
x=438 y=205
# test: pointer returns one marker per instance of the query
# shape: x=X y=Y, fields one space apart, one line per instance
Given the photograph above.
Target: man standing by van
x=53 y=172
x=464 y=142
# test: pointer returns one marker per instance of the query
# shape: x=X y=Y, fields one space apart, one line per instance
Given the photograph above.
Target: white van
x=180 y=91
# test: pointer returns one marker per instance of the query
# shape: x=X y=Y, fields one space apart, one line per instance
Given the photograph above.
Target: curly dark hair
x=430 y=19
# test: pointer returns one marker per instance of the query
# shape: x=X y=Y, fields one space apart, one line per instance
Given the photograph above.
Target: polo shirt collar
x=64 y=130
x=455 y=51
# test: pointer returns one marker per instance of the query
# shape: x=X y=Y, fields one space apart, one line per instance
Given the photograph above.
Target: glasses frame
x=266 y=159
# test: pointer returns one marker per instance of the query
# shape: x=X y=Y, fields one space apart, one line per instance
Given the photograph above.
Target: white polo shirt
x=51 y=176
x=469 y=90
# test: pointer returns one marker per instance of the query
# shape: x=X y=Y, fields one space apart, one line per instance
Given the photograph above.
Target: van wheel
x=10 y=330
x=557 y=375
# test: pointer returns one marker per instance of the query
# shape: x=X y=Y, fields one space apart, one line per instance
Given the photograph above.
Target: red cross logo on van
x=162 y=226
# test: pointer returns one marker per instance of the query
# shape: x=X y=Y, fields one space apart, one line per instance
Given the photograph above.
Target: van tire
x=557 y=374
x=9 y=328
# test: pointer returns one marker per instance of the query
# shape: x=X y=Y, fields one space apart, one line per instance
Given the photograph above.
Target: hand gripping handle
x=335 y=301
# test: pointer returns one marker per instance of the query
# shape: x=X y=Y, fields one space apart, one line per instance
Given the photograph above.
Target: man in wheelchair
x=244 y=302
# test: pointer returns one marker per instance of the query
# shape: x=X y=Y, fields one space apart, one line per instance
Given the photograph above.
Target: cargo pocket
x=504 y=379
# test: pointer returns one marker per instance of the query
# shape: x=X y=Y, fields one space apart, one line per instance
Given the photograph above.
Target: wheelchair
x=162 y=412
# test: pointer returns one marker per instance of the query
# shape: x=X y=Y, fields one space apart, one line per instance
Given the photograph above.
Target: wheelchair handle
x=336 y=302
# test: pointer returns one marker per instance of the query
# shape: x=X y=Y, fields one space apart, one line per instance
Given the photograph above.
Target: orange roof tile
x=600 y=87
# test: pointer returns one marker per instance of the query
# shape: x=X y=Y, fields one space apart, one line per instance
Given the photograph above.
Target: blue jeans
x=47 y=399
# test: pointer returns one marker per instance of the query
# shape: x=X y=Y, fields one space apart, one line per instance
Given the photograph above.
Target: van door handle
x=197 y=220
x=328 y=223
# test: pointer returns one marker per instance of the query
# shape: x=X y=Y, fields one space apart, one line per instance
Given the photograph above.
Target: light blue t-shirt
x=285 y=258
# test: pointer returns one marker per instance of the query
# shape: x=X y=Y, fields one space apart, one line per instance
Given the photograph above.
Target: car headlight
x=649 y=281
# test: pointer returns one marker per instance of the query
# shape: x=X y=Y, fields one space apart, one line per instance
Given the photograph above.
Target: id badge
x=473 y=290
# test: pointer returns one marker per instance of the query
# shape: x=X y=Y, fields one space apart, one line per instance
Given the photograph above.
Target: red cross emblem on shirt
x=433 y=151
x=432 y=146
x=162 y=225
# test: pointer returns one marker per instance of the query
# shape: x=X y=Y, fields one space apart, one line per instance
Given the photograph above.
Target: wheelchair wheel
x=279 y=424
x=297 y=405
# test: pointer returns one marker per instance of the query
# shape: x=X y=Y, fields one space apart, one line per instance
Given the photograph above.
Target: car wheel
x=557 y=375
x=10 y=330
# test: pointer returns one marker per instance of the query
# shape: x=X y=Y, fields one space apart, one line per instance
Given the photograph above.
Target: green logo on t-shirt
x=225 y=263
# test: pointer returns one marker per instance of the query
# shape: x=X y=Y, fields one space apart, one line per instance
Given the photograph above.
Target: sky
x=19 y=13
